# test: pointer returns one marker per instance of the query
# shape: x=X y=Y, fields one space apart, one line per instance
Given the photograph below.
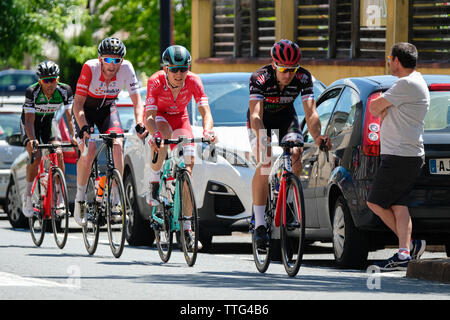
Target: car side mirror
x=15 y=140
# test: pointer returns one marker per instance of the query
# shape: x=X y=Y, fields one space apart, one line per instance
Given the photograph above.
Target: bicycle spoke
x=37 y=222
x=60 y=209
x=292 y=226
x=92 y=229
x=116 y=213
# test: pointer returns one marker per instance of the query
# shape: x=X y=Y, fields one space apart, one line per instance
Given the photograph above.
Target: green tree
x=139 y=21
x=27 y=25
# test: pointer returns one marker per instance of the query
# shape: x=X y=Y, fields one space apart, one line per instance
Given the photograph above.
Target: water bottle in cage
x=100 y=187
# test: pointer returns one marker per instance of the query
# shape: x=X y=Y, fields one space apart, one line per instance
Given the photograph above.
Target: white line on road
x=13 y=280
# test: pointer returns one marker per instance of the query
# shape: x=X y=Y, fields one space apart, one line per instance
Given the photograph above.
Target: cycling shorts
x=46 y=128
x=180 y=126
x=281 y=123
x=106 y=120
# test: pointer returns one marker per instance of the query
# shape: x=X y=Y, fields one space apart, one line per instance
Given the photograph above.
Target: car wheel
x=447 y=248
x=350 y=245
x=138 y=231
x=13 y=207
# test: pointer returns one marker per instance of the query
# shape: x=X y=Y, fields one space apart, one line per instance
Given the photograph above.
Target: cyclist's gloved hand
x=209 y=135
x=153 y=138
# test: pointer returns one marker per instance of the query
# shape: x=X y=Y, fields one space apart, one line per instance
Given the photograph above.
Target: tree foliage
x=28 y=27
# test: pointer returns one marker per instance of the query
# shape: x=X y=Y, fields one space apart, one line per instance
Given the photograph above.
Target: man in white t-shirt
x=402 y=109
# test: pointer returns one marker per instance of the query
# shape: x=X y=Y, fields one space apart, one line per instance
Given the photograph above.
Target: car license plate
x=440 y=166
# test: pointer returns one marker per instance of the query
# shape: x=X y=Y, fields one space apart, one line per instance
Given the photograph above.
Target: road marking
x=13 y=280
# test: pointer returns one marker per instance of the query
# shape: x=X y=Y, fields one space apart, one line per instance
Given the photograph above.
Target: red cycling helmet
x=286 y=53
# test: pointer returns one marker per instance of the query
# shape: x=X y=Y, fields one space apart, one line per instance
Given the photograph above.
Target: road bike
x=49 y=196
x=105 y=199
x=177 y=206
x=285 y=209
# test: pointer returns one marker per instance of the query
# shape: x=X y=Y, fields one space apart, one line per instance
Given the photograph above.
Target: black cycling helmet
x=176 y=56
x=112 y=46
x=47 y=69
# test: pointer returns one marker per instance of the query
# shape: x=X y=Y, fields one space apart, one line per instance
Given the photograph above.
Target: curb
x=430 y=269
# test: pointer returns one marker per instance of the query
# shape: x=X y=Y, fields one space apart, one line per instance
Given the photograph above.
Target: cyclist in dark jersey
x=38 y=124
x=99 y=84
x=273 y=89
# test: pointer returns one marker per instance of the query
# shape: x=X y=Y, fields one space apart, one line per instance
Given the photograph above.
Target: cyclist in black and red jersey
x=273 y=89
x=99 y=84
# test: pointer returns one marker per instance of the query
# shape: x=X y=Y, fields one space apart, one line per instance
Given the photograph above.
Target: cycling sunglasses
x=287 y=69
x=175 y=69
x=113 y=60
x=49 y=80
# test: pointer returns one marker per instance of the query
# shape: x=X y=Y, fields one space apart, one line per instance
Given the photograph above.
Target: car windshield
x=229 y=102
x=9 y=124
x=438 y=115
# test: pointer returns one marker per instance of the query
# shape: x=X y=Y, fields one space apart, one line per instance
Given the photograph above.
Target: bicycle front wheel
x=60 y=208
x=163 y=233
x=37 y=222
x=116 y=217
x=188 y=218
x=91 y=230
x=292 y=226
x=263 y=256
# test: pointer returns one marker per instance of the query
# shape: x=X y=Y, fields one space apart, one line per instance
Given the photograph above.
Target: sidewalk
x=430 y=269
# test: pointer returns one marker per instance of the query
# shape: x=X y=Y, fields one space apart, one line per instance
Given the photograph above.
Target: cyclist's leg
x=84 y=164
x=32 y=169
x=165 y=129
x=291 y=132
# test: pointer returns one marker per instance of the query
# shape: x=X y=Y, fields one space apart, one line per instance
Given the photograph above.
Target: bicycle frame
x=171 y=169
x=282 y=192
x=48 y=196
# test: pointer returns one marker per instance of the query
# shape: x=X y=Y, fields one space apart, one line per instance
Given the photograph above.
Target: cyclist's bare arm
x=138 y=111
x=29 y=129
x=78 y=110
x=150 y=123
x=256 y=120
x=208 y=123
x=379 y=106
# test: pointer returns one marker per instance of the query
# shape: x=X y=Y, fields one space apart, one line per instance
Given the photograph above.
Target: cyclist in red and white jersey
x=168 y=93
x=99 y=84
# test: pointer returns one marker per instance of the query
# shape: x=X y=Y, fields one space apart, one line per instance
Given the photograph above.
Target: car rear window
x=438 y=115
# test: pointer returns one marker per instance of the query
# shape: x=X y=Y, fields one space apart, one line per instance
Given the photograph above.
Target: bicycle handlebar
x=103 y=136
x=49 y=146
x=179 y=140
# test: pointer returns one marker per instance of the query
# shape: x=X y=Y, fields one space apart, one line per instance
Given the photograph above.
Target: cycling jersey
x=45 y=126
x=171 y=111
x=279 y=112
x=160 y=97
x=91 y=84
x=99 y=107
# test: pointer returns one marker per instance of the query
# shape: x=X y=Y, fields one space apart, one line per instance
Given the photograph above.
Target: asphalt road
x=227 y=274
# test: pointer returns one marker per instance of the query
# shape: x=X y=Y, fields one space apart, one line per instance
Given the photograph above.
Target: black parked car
x=336 y=190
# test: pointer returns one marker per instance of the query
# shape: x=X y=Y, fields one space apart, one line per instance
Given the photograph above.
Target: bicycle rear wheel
x=37 y=222
x=293 y=230
x=163 y=233
x=116 y=209
x=91 y=230
x=60 y=208
x=188 y=218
